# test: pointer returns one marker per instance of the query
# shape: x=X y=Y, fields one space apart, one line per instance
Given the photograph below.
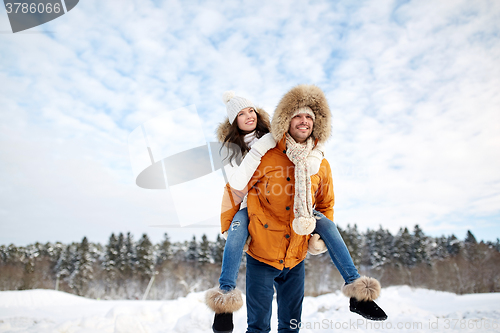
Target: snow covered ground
x=409 y=310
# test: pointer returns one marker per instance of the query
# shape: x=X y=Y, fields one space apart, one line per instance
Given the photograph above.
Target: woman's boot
x=362 y=293
x=223 y=303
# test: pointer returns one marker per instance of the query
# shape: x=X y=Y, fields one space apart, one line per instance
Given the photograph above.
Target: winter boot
x=223 y=323
x=223 y=303
x=362 y=293
x=367 y=309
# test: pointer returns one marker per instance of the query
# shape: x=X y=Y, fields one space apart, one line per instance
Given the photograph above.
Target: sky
x=413 y=87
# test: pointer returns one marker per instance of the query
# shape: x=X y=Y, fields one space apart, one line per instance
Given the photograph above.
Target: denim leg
x=337 y=249
x=236 y=237
x=290 y=294
x=259 y=295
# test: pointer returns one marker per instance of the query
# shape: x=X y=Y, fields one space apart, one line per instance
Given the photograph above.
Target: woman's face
x=247 y=119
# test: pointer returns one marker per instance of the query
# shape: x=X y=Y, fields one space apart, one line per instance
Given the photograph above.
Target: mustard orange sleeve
x=231 y=202
x=325 y=198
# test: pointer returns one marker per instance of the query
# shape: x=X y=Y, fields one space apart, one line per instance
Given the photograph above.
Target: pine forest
x=126 y=268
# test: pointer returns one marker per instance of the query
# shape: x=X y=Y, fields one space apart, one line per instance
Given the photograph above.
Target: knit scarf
x=250 y=139
x=304 y=222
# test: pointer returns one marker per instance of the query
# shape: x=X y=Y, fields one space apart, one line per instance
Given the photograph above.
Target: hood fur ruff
x=300 y=96
x=223 y=129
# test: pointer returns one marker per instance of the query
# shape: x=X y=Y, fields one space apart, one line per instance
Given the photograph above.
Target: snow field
x=409 y=310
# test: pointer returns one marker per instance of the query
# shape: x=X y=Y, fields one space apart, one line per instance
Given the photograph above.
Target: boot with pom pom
x=362 y=293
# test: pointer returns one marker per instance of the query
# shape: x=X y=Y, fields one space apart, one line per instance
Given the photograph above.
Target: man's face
x=301 y=127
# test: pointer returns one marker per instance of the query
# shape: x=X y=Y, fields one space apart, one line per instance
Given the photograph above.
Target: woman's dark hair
x=236 y=135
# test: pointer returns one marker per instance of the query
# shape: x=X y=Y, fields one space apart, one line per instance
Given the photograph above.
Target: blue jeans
x=337 y=249
x=289 y=284
x=238 y=234
x=236 y=238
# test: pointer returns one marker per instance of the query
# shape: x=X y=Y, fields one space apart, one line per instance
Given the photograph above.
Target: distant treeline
x=129 y=269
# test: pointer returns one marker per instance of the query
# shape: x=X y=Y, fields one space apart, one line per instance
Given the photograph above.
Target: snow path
x=409 y=310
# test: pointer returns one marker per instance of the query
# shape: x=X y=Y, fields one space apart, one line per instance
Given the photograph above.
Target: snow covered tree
x=121 y=255
x=403 y=248
x=111 y=259
x=130 y=255
x=218 y=249
x=29 y=257
x=379 y=244
x=204 y=253
x=495 y=245
x=368 y=245
x=83 y=272
x=179 y=251
x=3 y=254
x=354 y=242
x=54 y=251
x=419 y=247
x=192 y=251
x=125 y=260
x=62 y=268
x=145 y=258
x=469 y=238
x=12 y=254
x=164 y=250
x=438 y=249
x=471 y=248
x=66 y=262
x=453 y=245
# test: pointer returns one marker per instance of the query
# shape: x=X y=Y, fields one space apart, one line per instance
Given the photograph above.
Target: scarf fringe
x=304 y=225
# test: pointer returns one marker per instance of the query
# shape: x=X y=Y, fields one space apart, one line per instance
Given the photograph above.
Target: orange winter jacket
x=270 y=200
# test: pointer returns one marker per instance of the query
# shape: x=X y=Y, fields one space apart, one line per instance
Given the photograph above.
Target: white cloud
x=413 y=88
x=418 y=97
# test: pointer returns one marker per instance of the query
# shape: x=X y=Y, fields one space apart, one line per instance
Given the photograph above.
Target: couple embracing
x=277 y=206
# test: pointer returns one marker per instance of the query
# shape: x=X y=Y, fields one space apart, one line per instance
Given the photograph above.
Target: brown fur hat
x=223 y=128
x=300 y=96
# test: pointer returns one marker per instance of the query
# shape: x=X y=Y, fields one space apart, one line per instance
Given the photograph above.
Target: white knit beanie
x=234 y=104
x=304 y=109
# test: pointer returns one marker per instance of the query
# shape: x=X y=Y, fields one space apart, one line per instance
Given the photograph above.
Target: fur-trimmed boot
x=362 y=293
x=223 y=303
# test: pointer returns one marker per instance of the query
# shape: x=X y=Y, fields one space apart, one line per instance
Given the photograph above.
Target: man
x=281 y=196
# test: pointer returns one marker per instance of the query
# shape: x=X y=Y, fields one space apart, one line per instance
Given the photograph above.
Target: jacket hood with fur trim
x=225 y=126
x=301 y=96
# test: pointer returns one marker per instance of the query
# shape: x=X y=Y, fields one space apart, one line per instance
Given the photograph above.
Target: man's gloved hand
x=316 y=245
x=247 y=243
x=263 y=145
